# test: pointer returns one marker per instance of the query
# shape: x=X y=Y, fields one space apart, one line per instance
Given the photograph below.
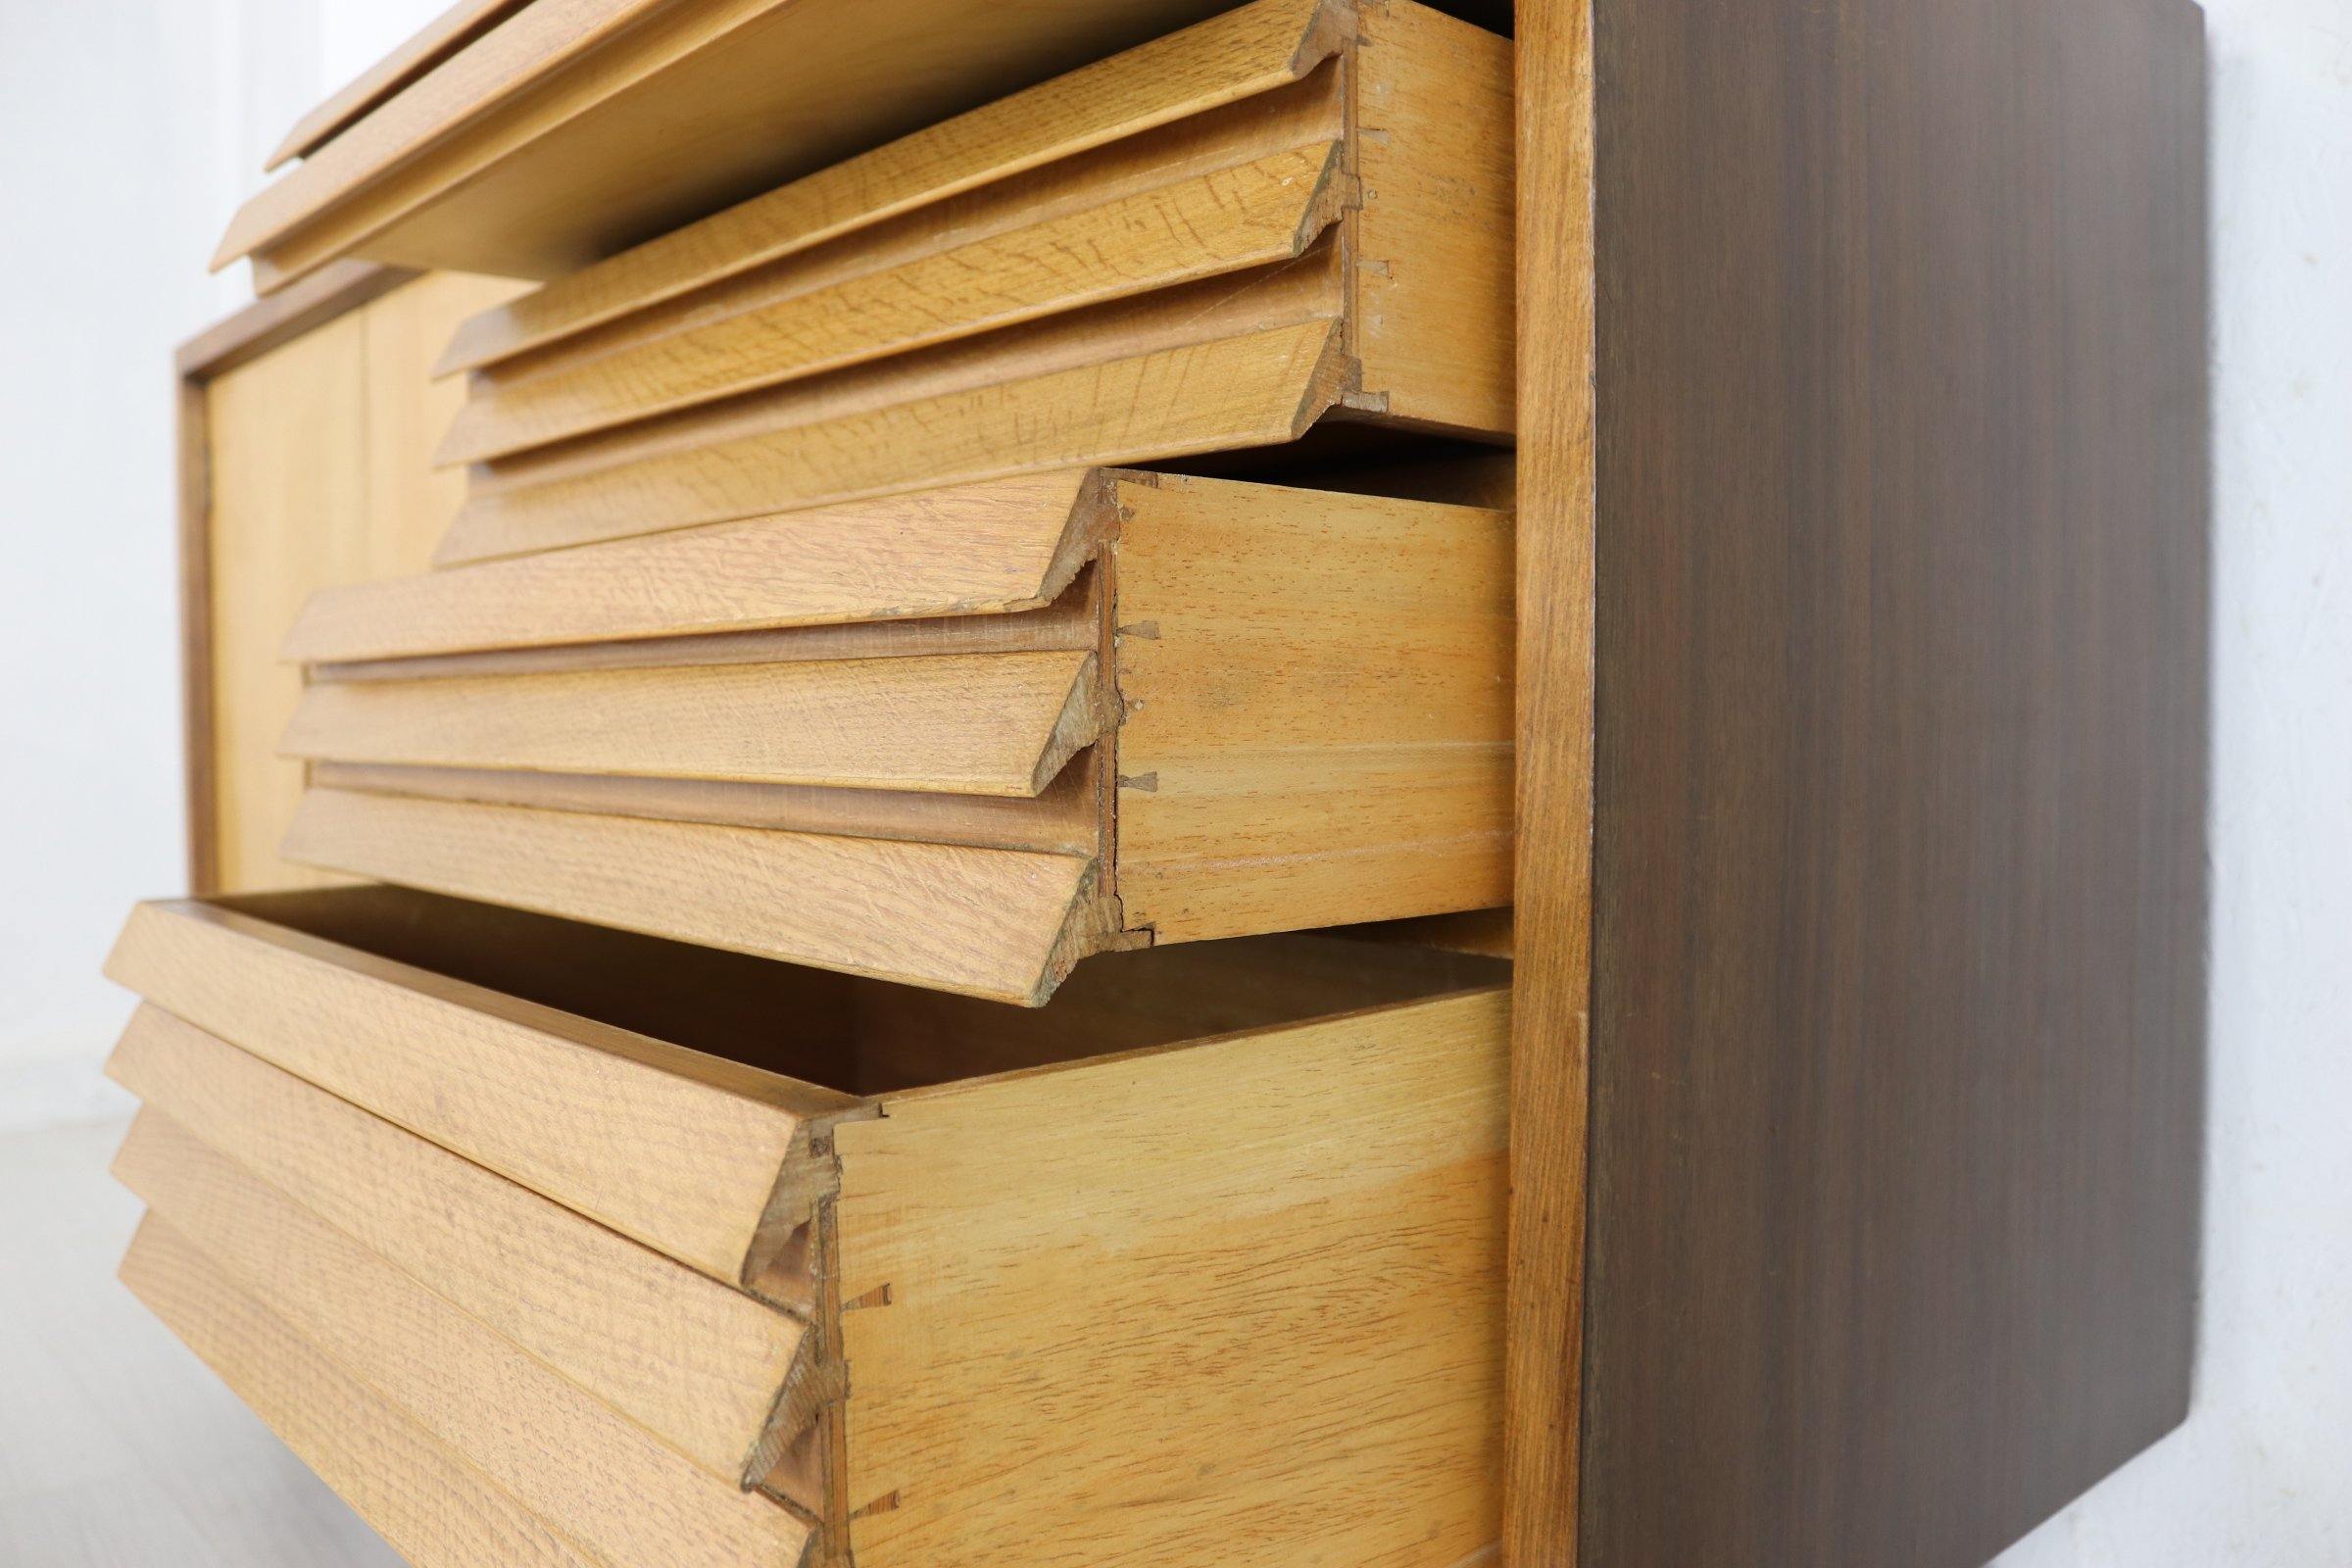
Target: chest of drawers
x=1324 y=783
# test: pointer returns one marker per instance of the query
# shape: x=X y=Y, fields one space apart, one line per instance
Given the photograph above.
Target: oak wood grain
x=1175 y=374
x=1013 y=544
x=1026 y=253
x=436 y=1509
x=1352 y=1355
x=558 y=1449
x=1063 y=818
x=1068 y=623
x=1432 y=319
x=690 y=1360
x=1302 y=699
x=1000 y=724
x=677 y=1149
x=1318 y=691
x=304 y=464
x=1246 y=50
x=438 y=40
x=584 y=127
x=999 y=923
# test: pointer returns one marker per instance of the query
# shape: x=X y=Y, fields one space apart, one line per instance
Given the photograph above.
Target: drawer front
x=965 y=738
x=435 y=1508
x=555 y=1447
x=1309 y=214
x=981 y=724
x=695 y=1363
x=573 y=131
x=1066 y=1260
x=676 y=1149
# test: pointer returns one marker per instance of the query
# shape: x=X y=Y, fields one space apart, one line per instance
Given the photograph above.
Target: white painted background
x=130 y=128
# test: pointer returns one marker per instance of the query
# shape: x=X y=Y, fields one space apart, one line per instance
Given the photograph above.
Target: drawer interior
x=861 y=1036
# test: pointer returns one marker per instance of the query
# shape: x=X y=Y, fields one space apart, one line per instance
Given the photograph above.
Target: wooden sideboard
x=1323 y=783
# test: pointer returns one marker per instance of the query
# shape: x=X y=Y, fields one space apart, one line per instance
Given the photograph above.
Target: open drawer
x=1294 y=209
x=963 y=738
x=682 y=1256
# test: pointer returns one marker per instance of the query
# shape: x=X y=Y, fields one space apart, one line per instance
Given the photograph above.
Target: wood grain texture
x=980 y=724
x=1309 y=718
x=677 y=1149
x=585 y=126
x=1144 y=997
x=1011 y=545
x=1430 y=318
x=1901 y=776
x=998 y=923
x=248 y=334
x=312 y=471
x=288 y=509
x=955 y=274
x=1552 y=898
x=694 y=1363
x=1318 y=707
x=1063 y=818
x=434 y=1509
x=1293 y=1356
x=1257 y=368
x=237 y=340
x=1246 y=50
x=199 y=719
x=438 y=40
x=551 y=39
x=408 y=501
x=560 y=1451
x=1069 y=623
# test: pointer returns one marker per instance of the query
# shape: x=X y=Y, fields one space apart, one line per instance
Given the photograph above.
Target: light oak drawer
x=963 y=738
x=528 y=139
x=670 y=1255
x=1290 y=212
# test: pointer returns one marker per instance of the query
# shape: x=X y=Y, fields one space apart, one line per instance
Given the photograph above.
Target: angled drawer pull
x=1324 y=228
x=675 y=1149
x=989 y=725
x=972 y=550
x=1145 y=709
x=1244 y=53
x=972 y=272
x=560 y=1451
x=435 y=1508
x=1002 y=923
x=576 y=128
x=691 y=1361
x=1010 y=1220
x=1200 y=375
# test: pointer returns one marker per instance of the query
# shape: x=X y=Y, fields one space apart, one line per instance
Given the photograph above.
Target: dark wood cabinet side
x=1898 y=858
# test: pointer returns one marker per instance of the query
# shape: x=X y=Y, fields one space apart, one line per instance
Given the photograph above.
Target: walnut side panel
x=1900 y=871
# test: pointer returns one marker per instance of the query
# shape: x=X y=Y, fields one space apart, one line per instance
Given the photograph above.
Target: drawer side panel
x=1241 y=1302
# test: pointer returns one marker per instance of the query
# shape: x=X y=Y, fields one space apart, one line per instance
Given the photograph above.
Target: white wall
x=129 y=129
x=129 y=132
